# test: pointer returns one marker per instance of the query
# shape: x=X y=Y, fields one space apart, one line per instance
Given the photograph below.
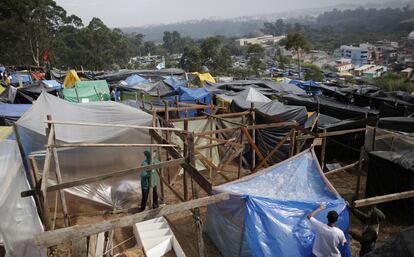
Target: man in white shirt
x=328 y=236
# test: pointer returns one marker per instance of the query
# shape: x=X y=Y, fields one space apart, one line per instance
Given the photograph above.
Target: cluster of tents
x=265 y=215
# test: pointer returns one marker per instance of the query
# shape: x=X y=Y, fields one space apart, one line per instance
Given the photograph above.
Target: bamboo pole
x=94 y=124
x=384 y=198
x=108 y=145
x=323 y=151
x=342 y=168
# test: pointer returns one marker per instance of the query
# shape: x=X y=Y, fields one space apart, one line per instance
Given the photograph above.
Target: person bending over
x=327 y=236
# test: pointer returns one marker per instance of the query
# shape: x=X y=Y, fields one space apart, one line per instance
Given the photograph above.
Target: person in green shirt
x=145 y=180
x=369 y=236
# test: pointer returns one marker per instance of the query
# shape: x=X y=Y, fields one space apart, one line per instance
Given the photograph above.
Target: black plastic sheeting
x=388 y=173
x=401 y=245
x=403 y=124
x=267 y=138
x=329 y=107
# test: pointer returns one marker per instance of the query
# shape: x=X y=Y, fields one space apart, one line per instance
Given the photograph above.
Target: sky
x=124 y=13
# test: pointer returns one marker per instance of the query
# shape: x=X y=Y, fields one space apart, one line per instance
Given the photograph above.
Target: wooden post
x=323 y=150
x=77 y=95
x=46 y=168
x=196 y=213
x=150 y=193
x=373 y=139
x=79 y=247
x=59 y=174
x=240 y=156
x=142 y=100
x=361 y=159
x=384 y=198
x=185 y=152
x=292 y=143
x=253 y=134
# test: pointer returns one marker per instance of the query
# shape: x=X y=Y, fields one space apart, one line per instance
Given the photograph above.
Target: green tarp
x=88 y=91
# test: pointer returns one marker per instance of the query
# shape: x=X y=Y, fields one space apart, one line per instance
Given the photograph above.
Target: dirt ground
x=182 y=223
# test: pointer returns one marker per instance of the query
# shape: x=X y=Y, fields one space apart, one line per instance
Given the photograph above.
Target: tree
x=213 y=56
x=313 y=73
x=172 y=42
x=255 y=54
x=296 y=41
x=191 y=59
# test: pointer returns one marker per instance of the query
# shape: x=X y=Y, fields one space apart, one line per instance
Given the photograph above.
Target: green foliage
x=393 y=82
x=172 y=42
x=214 y=55
x=313 y=72
x=297 y=41
x=255 y=55
x=191 y=59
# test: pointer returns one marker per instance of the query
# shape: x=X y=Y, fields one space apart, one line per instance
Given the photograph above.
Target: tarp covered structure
x=88 y=91
x=70 y=79
x=401 y=245
x=134 y=80
x=403 y=124
x=266 y=212
x=19 y=221
x=392 y=172
x=76 y=163
x=244 y=99
x=10 y=113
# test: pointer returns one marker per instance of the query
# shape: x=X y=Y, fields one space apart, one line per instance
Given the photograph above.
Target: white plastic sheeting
x=19 y=220
x=199 y=126
x=77 y=163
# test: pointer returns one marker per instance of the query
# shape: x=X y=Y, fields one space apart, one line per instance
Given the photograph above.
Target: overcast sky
x=122 y=13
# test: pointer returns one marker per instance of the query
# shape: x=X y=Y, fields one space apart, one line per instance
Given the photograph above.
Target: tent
x=392 y=172
x=193 y=96
x=266 y=212
x=51 y=84
x=77 y=163
x=134 y=80
x=244 y=99
x=403 y=124
x=70 y=79
x=18 y=78
x=174 y=82
x=19 y=221
x=88 y=91
x=204 y=77
x=401 y=245
x=10 y=113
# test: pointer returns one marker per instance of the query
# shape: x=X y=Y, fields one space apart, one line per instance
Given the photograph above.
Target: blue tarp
x=52 y=84
x=2 y=69
x=266 y=213
x=13 y=110
x=309 y=86
x=175 y=83
x=135 y=79
x=17 y=77
x=192 y=96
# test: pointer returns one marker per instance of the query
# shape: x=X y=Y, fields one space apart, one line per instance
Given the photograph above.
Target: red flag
x=45 y=56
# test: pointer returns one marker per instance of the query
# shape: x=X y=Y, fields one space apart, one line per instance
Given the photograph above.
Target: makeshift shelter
x=204 y=77
x=392 y=172
x=51 y=84
x=243 y=100
x=19 y=221
x=10 y=113
x=401 y=245
x=266 y=212
x=17 y=78
x=78 y=162
x=70 y=79
x=134 y=80
x=174 y=82
x=193 y=96
x=88 y=91
x=403 y=124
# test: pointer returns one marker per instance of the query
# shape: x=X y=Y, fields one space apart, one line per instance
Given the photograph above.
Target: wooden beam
x=217 y=131
x=332 y=133
x=55 y=237
x=203 y=182
x=342 y=168
x=254 y=146
x=278 y=145
x=94 y=124
x=107 y=176
x=384 y=198
x=110 y=145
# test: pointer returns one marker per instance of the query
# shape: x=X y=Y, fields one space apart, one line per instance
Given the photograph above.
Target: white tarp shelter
x=19 y=220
